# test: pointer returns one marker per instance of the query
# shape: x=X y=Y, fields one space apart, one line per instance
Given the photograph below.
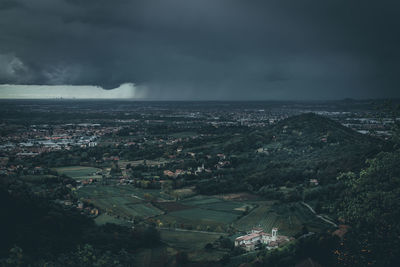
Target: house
x=249 y=241
x=257 y=236
x=169 y=173
x=199 y=169
x=222 y=156
x=92 y=144
x=343 y=229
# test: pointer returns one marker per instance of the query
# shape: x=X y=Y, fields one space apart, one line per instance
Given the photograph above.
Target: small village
x=257 y=239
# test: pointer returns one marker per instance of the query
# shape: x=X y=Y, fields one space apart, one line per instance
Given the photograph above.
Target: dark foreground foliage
x=35 y=230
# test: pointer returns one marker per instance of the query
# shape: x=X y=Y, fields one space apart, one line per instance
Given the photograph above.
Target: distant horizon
x=131 y=92
x=207 y=100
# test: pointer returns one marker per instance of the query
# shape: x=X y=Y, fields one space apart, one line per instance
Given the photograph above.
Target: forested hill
x=315 y=138
x=312 y=146
x=299 y=148
x=311 y=128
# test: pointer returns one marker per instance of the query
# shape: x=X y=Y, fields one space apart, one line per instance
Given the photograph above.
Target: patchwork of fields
x=125 y=202
x=195 y=220
x=128 y=191
x=204 y=213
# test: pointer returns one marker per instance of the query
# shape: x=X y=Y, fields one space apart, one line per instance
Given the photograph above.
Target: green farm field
x=187 y=240
x=289 y=218
x=123 y=207
x=217 y=204
x=205 y=216
x=203 y=212
x=78 y=172
x=128 y=191
x=121 y=201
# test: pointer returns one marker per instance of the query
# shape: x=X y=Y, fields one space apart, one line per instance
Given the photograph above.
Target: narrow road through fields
x=135 y=196
x=319 y=216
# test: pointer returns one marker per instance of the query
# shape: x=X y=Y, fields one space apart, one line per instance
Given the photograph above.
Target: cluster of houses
x=200 y=169
x=38 y=139
x=257 y=237
x=84 y=209
x=182 y=172
x=9 y=170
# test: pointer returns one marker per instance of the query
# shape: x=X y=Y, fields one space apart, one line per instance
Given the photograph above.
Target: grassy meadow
x=78 y=172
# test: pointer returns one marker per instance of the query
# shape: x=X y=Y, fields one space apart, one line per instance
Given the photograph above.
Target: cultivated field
x=79 y=172
x=289 y=218
x=202 y=213
x=128 y=191
x=262 y=216
x=187 y=240
x=122 y=202
x=204 y=216
x=125 y=207
x=198 y=214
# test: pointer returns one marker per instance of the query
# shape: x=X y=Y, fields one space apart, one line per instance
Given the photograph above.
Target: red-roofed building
x=341 y=231
x=257 y=236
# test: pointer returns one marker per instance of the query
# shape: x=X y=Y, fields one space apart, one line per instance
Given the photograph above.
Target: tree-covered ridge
x=369 y=234
x=322 y=145
x=296 y=149
x=371 y=207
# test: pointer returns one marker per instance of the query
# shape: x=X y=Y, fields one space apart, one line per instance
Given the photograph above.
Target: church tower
x=274 y=234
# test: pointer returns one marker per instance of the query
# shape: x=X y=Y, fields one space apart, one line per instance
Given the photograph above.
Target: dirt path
x=137 y=197
x=319 y=216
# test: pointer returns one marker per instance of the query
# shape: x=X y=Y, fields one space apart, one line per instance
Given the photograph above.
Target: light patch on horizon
x=11 y=91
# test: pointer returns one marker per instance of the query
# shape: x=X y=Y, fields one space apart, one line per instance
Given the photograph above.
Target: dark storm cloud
x=209 y=49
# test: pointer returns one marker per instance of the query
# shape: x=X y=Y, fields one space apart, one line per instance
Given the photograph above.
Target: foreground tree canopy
x=371 y=207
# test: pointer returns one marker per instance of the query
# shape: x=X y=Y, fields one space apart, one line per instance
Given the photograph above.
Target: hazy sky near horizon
x=10 y=91
x=200 y=49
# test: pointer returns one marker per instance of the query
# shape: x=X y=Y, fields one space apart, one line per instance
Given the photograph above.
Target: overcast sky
x=201 y=49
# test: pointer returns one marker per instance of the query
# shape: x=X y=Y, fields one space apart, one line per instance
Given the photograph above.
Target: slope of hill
x=312 y=146
x=297 y=149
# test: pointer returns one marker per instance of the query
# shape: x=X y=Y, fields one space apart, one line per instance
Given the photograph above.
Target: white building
x=257 y=237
